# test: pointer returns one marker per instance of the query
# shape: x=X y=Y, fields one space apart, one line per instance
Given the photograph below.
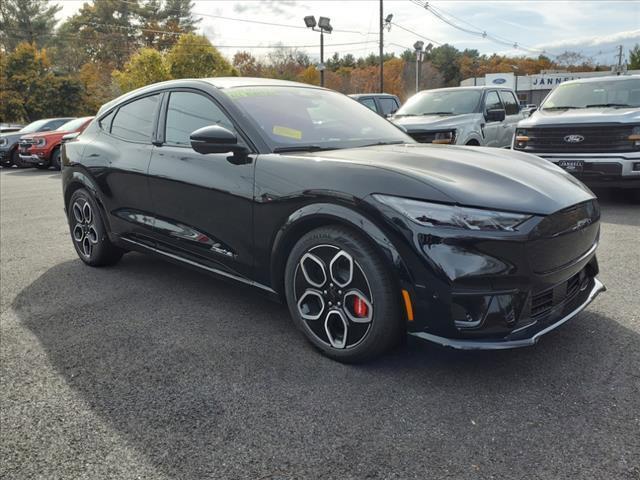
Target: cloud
x=275 y=7
x=595 y=41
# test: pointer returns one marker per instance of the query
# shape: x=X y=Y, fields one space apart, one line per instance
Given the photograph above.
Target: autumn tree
x=31 y=21
x=194 y=57
x=145 y=67
x=247 y=65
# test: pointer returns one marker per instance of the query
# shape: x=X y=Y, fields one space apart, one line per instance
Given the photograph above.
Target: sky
x=593 y=28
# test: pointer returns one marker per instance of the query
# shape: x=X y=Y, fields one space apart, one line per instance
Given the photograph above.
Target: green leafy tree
x=145 y=67
x=634 y=57
x=445 y=58
x=194 y=57
x=164 y=22
x=29 y=21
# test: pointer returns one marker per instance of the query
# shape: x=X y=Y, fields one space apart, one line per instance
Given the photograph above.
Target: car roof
x=607 y=78
x=474 y=87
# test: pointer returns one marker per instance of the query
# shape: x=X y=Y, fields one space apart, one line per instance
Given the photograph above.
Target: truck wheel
x=15 y=158
x=55 y=159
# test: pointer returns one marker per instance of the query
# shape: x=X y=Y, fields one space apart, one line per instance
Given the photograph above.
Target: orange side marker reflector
x=407 y=305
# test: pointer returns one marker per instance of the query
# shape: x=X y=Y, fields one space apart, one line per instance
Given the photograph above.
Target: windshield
x=34 y=127
x=72 y=125
x=430 y=102
x=298 y=116
x=611 y=93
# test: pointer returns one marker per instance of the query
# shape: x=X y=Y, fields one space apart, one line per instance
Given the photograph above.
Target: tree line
x=112 y=46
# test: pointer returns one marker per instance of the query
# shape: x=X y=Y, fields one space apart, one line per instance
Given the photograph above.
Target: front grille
x=422 y=136
x=596 y=139
x=543 y=302
x=25 y=143
x=561 y=238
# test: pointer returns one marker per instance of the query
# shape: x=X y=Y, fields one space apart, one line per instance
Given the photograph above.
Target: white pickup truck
x=485 y=115
x=591 y=128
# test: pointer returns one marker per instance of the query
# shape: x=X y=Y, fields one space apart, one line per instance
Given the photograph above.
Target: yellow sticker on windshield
x=287 y=132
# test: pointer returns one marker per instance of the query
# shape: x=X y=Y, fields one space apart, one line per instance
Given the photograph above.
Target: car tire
x=55 y=159
x=342 y=295
x=88 y=232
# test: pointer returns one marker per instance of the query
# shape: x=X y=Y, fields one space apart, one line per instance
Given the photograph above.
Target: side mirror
x=215 y=139
x=496 y=115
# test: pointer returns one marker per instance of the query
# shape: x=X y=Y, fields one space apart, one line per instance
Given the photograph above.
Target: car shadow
x=193 y=371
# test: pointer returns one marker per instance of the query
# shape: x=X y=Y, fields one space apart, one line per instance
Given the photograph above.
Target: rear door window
x=370 y=103
x=134 y=121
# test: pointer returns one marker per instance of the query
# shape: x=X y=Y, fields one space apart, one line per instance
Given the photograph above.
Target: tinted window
x=492 y=102
x=52 y=125
x=369 y=103
x=134 y=121
x=388 y=105
x=187 y=113
x=510 y=103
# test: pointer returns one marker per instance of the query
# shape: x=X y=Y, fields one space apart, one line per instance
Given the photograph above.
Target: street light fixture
x=323 y=26
x=419 y=58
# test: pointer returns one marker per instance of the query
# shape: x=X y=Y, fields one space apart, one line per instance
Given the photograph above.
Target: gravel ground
x=148 y=370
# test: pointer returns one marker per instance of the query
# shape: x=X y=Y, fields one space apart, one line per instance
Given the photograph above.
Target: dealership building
x=532 y=89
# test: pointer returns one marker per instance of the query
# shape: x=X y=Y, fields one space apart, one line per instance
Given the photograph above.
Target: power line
x=415 y=33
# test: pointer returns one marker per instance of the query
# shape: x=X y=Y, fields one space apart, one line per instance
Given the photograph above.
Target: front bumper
x=599 y=170
x=33 y=159
x=523 y=338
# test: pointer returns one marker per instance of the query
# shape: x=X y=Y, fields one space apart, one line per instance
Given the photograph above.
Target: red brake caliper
x=360 y=308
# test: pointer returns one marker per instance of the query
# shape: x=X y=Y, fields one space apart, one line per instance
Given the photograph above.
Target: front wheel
x=342 y=295
x=88 y=232
x=55 y=159
x=15 y=159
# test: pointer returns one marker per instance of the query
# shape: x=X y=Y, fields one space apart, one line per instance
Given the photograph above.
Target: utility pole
x=619 y=59
x=322 y=58
x=381 y=48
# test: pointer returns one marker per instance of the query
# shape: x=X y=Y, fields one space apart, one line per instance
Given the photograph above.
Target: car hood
x=476 y=176
x=433 y=122
x=582 y=115
x=49 y=135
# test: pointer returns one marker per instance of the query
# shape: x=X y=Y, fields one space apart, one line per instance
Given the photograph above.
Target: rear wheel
x=88 y=232
x=342 y=295
x=55 y=159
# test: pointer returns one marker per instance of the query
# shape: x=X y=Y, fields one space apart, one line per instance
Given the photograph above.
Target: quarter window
x=105 y=122
x=134 y=121
x=510 y=103
x=492 y=102
x=187 y=113
x=388 y=105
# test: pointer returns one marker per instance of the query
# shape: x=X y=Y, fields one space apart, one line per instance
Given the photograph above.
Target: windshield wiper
x=437 y=113
x=394 y=142
x=608 y=105
x=301 y=148
x=561 y=107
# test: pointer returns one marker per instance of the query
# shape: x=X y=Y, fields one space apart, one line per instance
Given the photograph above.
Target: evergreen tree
x=30 y=21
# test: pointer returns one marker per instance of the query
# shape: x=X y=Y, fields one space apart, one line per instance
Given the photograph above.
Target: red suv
x=42 y=150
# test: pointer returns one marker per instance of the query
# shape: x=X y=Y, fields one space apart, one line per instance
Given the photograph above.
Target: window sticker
x=287 y=132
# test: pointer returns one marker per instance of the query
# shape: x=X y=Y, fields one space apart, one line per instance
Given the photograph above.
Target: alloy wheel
x=84 y=230
x=333 y=296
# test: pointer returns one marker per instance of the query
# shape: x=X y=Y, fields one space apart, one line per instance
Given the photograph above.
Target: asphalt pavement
x=147 y=370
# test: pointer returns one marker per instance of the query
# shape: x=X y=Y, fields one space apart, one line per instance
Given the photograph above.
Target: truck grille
x=422 y=136
x=595 y=139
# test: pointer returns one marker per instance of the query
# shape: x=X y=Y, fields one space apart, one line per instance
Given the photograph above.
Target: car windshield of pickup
x=441 y=102
x=308 y=119
x=607 y=93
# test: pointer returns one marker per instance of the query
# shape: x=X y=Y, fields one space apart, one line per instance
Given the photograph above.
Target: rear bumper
x=522 y=338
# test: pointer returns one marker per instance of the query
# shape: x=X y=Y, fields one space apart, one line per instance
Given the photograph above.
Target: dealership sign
x=549 y=81
x=500 y=79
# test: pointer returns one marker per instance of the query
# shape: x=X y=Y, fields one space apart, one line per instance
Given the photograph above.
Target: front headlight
x=521 y=138
x=447 y=137
x=3 y=142
x=635 y=136
x=40 y=142
x=439 y=215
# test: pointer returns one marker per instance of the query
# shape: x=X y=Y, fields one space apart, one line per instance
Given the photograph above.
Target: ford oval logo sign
x=573 y=138
x=499 y=81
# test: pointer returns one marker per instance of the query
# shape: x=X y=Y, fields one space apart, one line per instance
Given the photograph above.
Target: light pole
x=324 y=26
x=419 y=57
